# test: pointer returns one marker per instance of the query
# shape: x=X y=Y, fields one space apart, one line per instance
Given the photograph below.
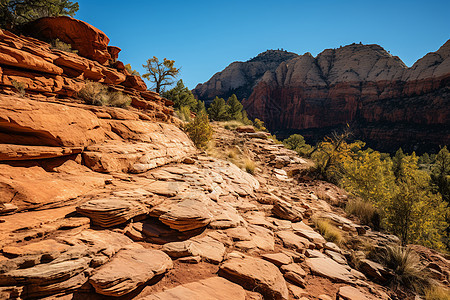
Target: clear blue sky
x=203 y=37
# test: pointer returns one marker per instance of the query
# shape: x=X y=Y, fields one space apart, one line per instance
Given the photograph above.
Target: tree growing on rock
x=160 y=73
x=17 y=12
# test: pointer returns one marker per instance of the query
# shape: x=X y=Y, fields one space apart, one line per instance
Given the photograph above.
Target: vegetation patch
x=406 y=267
x=97 y=94
x=330 y=232
x=199 y=130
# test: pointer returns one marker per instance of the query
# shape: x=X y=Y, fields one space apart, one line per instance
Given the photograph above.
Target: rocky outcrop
x=35 y=68
x=241 y=77
x=386 y=103
x=89 y=41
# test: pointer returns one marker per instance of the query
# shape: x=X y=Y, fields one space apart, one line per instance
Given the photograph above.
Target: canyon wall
x=384 y=102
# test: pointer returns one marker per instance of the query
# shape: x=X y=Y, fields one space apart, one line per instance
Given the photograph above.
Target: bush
x=199 y=130
x=365 y=211
x=330 y=232
x=297 y=143
x=97 y=94
x=406 y=267
x=19 y=86
x=60 y=45
x=250 y=166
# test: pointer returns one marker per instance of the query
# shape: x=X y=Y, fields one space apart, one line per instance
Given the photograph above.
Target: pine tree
x=181 y=96
x=17 y=12
x=218 y=110
x=234 y=108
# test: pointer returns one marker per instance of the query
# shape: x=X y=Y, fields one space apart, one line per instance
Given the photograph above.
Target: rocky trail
x=111 y=203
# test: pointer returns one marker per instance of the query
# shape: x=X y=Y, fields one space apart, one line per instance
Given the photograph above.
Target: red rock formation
x=88 y=40
x=387 y=104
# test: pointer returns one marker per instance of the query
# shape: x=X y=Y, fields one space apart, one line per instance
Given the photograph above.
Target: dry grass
x=250 y=166
x=437 y=293
x=330 y=232
x=364 y=211
x=405 y=263
x=229 y=125
x=60 y=45
x=97 y=94
x=19 y=86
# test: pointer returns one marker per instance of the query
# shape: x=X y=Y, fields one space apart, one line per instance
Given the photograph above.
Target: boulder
x=256 y=274
x=88 y=40
x=128 y=270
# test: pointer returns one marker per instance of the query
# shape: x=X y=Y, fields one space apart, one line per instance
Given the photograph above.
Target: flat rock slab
x=129 y=269
x=111 y=212
x=327 y=267
x=278 y=259
x=206 y=247
x=304 y=230
x=352 y=293
x=214 y=288
x=292 y=241
x=293 y=268
x=187 y=215
x=256 y=274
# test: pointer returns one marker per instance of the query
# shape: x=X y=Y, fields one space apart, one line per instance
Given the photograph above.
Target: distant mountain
x=386 y=103
x=241 y=77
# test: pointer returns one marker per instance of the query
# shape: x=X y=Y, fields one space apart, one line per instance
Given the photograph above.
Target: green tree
x=199 y=130
x=397 y=161
x=17 y=12
x=245 y=118
x=234 y=108
x=414 y=213
x=440 y=180
x=297 y=143
x=218 y=110
x=440 y=173
x=259 y=125
x=181 y=96
x=160 y=73
x=200 y=106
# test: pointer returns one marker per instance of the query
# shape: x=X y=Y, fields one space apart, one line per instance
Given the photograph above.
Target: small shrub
x=118 y=99
x=60 y=45
x=250 y=166
x=364 y=211
x=406 y=267
x=19 y=86
x=184 y=113
x=259 y=125
x=97 y=94
x=437 y=293
x=330 y=232
x=199 y=130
